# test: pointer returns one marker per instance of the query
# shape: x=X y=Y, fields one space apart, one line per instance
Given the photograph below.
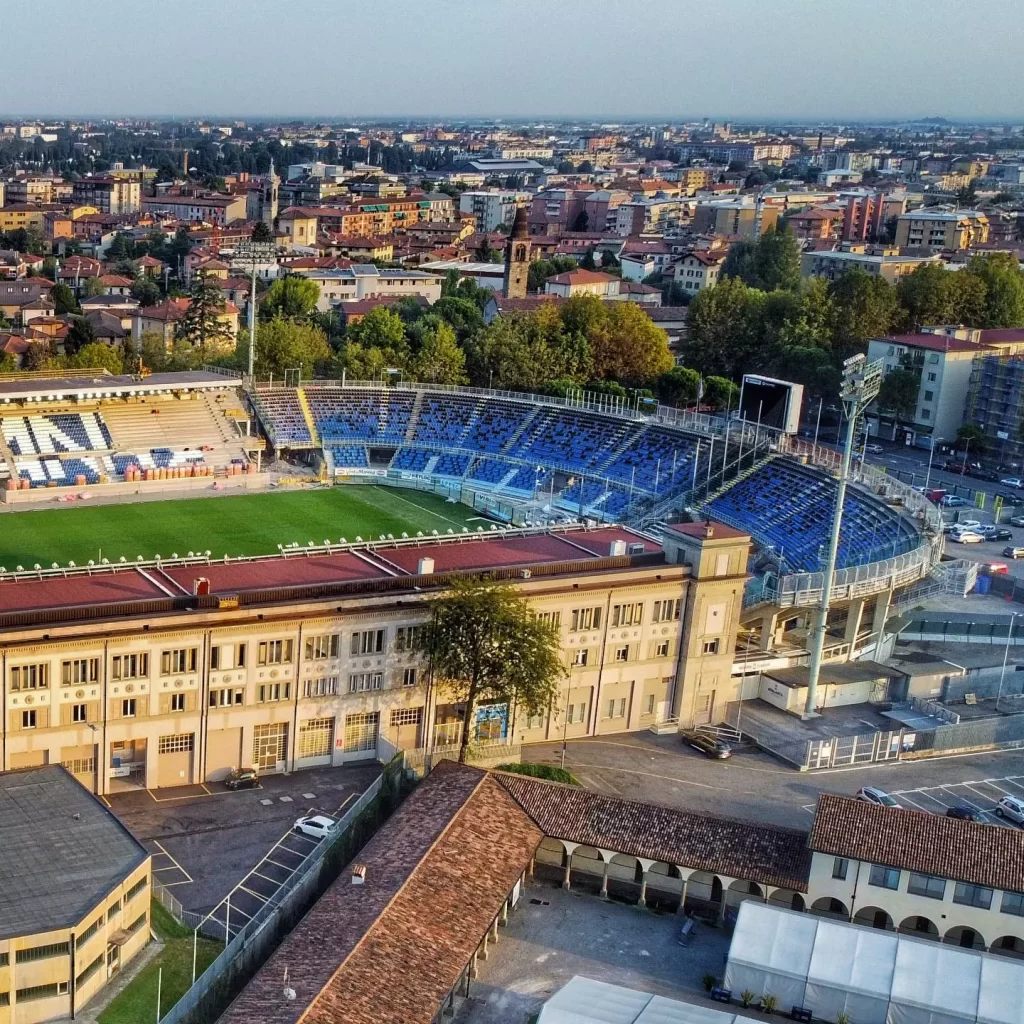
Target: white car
x=873 y=449
x=874 y=795
x=1012 y=808
x=1012 y=481
x=317 y=826
x=965 y=537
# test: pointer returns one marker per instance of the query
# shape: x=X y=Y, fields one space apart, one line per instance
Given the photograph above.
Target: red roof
x=937 y=342
x=571 y=277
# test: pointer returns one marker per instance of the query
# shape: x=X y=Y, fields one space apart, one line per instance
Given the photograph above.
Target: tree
x=581 y=222
x=201 y=327
x=541 y=270
x=80 y=335
x=37 y=355
x=678 y=386
x=866 y=306
x=608 y=260
x=1004 y=288
x=261 y=233
x=927 y=297
x=146 y=291
x=463 y=314
x=588 y=262
x=971 y=439
x=898 y=393
x=440 y=360
x=485 y=643
x=769 y=263
x=97 y=354
x=284 y=344
x=291 y=296
x=64 y=300
x=628 y=346
x=720 y=393
x=93 y=286
x=722 y=336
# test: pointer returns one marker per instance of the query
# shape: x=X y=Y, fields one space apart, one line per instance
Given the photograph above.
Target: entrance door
x=405 y=727
x=269 y=745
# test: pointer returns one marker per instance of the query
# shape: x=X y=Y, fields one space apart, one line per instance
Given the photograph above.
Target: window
x=616 y=708
x=627 y=614
x=227 y=697
x=128 y=707
x=585 y=618
x=622 y=653
x=1013 y=903
x=580 y=657
x=650 y=704
x=88 y=933
x=24 y=956
x=370 y=641
x=30 y=677
x=932 y=887
x=269 y=692
x=534 y=721
x=181 y=660
x=28 y=719
x=177 y=702
x=929 y=395
x=406 y=716
x=138 y=923
x=932 y=378
x=274 y=652
x=972 y=895
x=177 y=743
x=135 y=890
x=323 y=686
x=926 y=414
x=409 y=677
x=710 y=647
x=316 y=737
x=113 y=910
x=89 y=971
x=129 y=666
x=840 y=866
x=80 y=765
x=359 y=682
x=79 y=713
x=883 y=877
x=227 y=657
x=82 y=670
x=322 y=646
x=41 y=991
x=551 y=618
x=408 y=638
x=361 y=731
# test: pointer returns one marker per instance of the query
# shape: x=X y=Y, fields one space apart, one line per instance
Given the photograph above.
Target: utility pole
x=861 y=383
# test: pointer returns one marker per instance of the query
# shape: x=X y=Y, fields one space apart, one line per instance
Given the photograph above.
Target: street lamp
x=931 y=455
x=1006 y=656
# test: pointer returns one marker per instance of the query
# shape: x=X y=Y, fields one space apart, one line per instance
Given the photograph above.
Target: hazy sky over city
x=827 y=59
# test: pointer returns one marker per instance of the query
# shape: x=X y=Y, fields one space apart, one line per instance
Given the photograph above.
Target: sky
x=828 y=60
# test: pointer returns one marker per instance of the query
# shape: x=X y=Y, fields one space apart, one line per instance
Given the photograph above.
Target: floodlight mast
x=861 y=383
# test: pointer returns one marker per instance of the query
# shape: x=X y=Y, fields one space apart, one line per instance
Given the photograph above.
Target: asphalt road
x=663 y=770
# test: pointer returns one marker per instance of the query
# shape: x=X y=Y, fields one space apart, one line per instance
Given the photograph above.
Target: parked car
x=315 y=825
x=995 y=533
x=952 y=501
x=1012 y=481
x=1017 y=521
x=964 y=813
x=995 y=568
x=1009 y=498
x=1011 y=808
x=965 y=536
x=248 y=778
x=872 y=795
x=873 y=449
x=709 y=746
x=1013 y=552
x=986 y=474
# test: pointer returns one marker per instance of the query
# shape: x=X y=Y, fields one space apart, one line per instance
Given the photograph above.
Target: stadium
x=423 y=459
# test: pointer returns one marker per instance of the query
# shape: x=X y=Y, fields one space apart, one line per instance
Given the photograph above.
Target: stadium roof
x=107 y=385
x=63 y=851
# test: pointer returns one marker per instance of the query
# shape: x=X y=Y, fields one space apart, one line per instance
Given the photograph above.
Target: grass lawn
x=250 y=524
x=137 y=1001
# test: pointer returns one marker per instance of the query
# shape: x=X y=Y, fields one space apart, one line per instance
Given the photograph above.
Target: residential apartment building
x=698 y=270
x=887 y=263
x=218 y=210
x=995 y=400
x=924 y=875
x=938 y=228
x=35 y=190
x=364 y=281
x=821 y=224
x=108 y=195
x=492 y=210
x=734 y=218
x=284 y=663
x=61 y=942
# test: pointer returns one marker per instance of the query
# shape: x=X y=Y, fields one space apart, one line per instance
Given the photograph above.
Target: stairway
x=528 y=419
x=414 y=417
x=307 y=415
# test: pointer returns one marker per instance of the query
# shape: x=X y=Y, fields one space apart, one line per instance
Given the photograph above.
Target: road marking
x=649 y=775
x=253 y=893
x=173 y=860
x=345 y=802
x=266 y=878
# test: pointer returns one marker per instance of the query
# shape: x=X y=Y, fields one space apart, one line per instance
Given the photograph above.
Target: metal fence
x=174 y=908
x=249 y=946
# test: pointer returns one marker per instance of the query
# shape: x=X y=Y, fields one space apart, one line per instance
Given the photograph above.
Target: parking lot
x=980 y=795
x=205 y=844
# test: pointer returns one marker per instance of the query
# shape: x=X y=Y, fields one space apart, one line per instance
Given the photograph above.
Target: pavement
x=751 y=784
x=553 y=935
x=979 y=794
x=205 y=840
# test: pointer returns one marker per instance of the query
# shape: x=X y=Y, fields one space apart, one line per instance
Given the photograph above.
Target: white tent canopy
x=873 y=976
x=585 y=1001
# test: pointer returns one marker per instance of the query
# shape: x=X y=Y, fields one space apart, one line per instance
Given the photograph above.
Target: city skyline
x=625 y=62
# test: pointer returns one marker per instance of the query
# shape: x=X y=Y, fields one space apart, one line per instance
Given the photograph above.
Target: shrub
x=541 y=771
x=710 y=981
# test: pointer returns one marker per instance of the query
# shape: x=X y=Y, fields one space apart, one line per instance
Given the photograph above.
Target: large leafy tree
x=64 y=300
x=898 y=393
x=284 y=344
x=1004 y=288
x=723 y=324
x=628 y=346
x=202 y=327
x=377 y=341
x=291 y=296
x=440 y=360
x=866 y=307
x=770 y=262
x=485 y=643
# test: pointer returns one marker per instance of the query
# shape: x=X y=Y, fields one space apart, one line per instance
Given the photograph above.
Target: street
x=751 y=784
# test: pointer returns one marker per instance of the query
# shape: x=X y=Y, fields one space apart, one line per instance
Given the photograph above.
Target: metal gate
x=865 y=748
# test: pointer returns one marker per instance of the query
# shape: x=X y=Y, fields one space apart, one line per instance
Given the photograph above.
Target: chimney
x=709 y=530
x=425 y=566
x=358 y=874
x=618 y=547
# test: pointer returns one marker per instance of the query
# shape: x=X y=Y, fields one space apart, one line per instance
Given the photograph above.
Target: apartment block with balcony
x=941 y=228
x=66 y=931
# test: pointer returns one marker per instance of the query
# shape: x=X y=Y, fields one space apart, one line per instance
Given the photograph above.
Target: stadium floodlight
x=860 y=386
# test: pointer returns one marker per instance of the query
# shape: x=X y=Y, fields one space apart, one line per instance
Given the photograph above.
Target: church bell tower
x=517 y=257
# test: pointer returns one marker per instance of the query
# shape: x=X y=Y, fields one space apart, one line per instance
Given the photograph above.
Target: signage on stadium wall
x=347 y=471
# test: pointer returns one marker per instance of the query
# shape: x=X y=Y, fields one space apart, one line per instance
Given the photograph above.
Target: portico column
x=569 y=848
x=606 y=859
x=646 y=866
x=684 y=874
x=726 y=882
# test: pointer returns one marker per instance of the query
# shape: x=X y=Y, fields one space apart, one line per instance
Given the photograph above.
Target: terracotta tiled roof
x=740 y=849
x=392 y=948
x=933 y=844
x=582 y=277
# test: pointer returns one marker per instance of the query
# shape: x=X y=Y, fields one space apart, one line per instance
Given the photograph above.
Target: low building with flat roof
x=74 y=895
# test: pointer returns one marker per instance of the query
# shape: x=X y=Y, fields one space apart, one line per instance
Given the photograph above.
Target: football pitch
x=250 y=524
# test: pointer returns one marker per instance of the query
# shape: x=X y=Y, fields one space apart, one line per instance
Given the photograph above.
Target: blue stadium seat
x=349 y=456
x=373 y=417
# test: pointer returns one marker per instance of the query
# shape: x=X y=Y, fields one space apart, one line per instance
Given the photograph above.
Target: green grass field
x=250 y=524
x=137 y=1001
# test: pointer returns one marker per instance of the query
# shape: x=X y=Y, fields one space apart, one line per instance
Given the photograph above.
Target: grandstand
x=98 y=429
